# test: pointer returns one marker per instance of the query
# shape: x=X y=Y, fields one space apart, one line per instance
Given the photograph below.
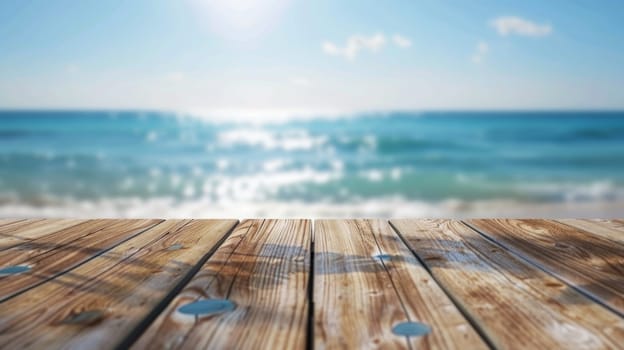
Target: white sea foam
x=574 y=191
x=273 y=165
x=222 y=164
x=396 y=173
x=155 y=172
x=263 y=116
x=373 y=175
x=388 y=207
x=256 y=137
x=151 y=136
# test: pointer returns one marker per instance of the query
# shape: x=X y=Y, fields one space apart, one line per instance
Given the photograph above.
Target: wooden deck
x=299 y=284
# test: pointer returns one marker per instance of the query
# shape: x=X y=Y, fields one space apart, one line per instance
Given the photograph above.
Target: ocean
x=391 y=164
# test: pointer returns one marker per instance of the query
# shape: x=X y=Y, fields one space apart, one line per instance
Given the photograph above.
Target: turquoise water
x=71 y=160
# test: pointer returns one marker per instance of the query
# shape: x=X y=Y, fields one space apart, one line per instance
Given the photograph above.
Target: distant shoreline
x=164 y=208
x=365 y=111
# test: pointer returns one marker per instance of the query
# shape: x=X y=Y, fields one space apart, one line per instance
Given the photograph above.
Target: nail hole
x=384 y=257
x=14 y=270
x=433 y=257
x=175 y=246
x=207 y=307
x=410 y=329
x=85 y=317
x=553 y=284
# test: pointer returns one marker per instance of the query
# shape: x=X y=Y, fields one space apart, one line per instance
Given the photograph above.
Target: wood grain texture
x=9 y=221
x=367 y=281
x=60 y=251
x=516 y=305
x=11 y=226
x=12 y=236
x=611 y=229
x=99 y=304
x=263 y=268
x=592 y=264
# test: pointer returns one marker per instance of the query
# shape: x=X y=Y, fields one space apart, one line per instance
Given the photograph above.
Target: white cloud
x=508 y=25
x=300 y=81
x=354 y=45
x=480 y=51
x=401 y=41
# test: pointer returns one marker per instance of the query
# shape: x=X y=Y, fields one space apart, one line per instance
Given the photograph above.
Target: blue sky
x=319 y=55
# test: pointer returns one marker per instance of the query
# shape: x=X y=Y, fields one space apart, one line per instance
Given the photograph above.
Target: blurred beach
x=383 y=164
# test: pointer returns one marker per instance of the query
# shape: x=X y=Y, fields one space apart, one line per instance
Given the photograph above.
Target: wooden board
x=9 y=221
x=611 y=229
x=100 y=303
x=12 y=236
x=516 y=305
x=592 y=264
x=11 y=226
x=60 y=251
x=367 y=281
x=263 y=268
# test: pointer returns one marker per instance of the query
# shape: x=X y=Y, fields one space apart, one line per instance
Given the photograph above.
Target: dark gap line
x=69 y=244
x=532 y=263
x=227 y=295
x=396 y=290
x=140 y=328
x=240 y=267
x=13 y=222
x=72 y=268
x=310 y=293
x=30 y=241
x=22 y=222
x=592 y=234
x=181 y=345
x=473 y=322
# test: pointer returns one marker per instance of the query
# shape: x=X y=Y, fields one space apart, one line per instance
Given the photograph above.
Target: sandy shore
x=388 y=208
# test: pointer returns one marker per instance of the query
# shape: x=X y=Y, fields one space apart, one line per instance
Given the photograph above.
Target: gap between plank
x=383 y=263
x=310 y=293
x=227 y=295
x=462 y=310
x=68 y=243
x=541 y=268
x=12 y=222
x=103 y=251
x=140 y=328
x=246 y=237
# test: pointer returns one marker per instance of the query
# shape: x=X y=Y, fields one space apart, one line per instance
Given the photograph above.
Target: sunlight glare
x=241 y=20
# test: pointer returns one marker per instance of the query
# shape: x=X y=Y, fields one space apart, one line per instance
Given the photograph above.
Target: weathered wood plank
x=100 y=303
x=611 y=229
x=263 y=268
x=60 y=251
x=11 y=226
x=590 y=263
x=516 y=305
x=9 y=221
x=367 y=281
x=11 y=236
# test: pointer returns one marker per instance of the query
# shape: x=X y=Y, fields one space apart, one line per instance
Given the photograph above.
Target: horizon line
x=192 y=111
